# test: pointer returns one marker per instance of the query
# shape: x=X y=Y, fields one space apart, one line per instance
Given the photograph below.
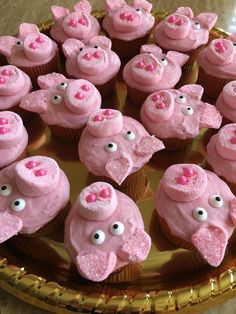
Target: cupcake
x=221 y=154
x=13 y=138
x=183 y=32
x=63 y=104
x=31 y=51
x=226 y=103
x=152 y=70
x=79 y=24
x=176 y=116
x=128 y=26
x=104 y=231
x=196 y=211
x=14 y=84
x=34 y=193
x=95 y=62
x=115 y=148
x=217 y=65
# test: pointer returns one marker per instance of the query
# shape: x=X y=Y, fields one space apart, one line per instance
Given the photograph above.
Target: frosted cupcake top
x=226 y=102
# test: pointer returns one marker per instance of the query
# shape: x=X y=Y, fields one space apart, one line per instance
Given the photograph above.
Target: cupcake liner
x=135 y=185
x=212 y=85
x=35 y=71
x=24 y=114
x=3 y=60
x=66 y=134
x=175 y=144
x=206 y=138
x=226 y=121
x=136 y=96
x=107 y=88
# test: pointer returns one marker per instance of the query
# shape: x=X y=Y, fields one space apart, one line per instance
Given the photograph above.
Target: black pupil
x=55 y=97
x=115 y=226
x=96 y=47
x=110 y=145
x=196 y=23
x=62 y=84
x=218 y=199
x=189 y=108
x=17 y=203
x=129 y=132
x=3 y=188
x=81 y=49
x=96 y=236
x=181 y=97
x=137 y=9
x=200 y=212
x=163 y=59
x=234 y=44
x=18 y=43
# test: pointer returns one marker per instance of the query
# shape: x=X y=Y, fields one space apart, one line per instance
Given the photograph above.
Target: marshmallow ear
x=119 y=168
x=101 y=41
x=155 y=50
x=210 y=117
x=178 y=57
x=49 y=80
x=211 y=242
x=148 y=146
x=95 y=266
x=35 y=102
x=208 y=20
x=143 y=4
x=83 y=6
x=185 y=11
x=10 y=225
x=233 y=211
x=232 y=37
x=6 y=44
x=193 y=90
x=71 y=46
x=26 y=28
x=111 y=5
x=58 y=12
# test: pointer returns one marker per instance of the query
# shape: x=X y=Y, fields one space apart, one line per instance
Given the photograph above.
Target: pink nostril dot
x=73 y=23
x=235 y=132
x=32 y=164
x=108 y=112
x=219 y=44
x=2 y=80
x=97 y=54
x=3 y=121
x=150 y=68
x=91 y=198
x=105 y=193
x=221 y=49
x=140 y=65
x=7 y=72
x=180 y=22
x=79 y=96
x=233 y=140
x=161 y=105
x=87 y=56
x=82 y=21
x=98 y=118
x=3 y=130
x=182 y=180
x=33 y=45
x=123 y=16
x=156 y=97
x=40 y=40
x=130 y=17
x=188 y=172
x=85 y=88
x=172 y=19
x=40 y=172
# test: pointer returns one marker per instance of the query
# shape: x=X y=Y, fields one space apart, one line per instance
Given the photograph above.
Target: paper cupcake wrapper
x=175 y=144
x=66 y=134
x=3 y=60
x=136 y=96
x=107 y=88
x=24 y=114
x=135 y=185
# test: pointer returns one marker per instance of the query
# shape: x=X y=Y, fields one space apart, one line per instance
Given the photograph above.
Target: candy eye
x=96 y=47
x=234 y=44
x=181 y=99
x=19 y=43
x=129 y=136
x=188 y=111
x=57 y=99
x=81 y=49
x=111 y=147
x=5 y=190
x=164 y=61
x=62 y=86
x=18 y=204
x=117 y=228
x=139 y=11
x=216 y=201
x=200 y=214
x=196 y=26
x=98 y=237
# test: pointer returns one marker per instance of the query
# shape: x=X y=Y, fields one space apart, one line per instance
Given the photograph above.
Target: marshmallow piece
x=11 y=80
x=37 y=47
x=229 y=94
x=177 y=26
x=148 y=146
x=10 y=225
x=119 y=168
x=220 y=51
x=77 y=25
x=226 y=141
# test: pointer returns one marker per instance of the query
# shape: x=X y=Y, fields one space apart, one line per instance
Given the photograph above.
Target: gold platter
x=40 y=272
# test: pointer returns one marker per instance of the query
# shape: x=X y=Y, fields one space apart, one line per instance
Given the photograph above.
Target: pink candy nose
x=2 y=80
x=105 y=193
x=140 y=65
x=188 y=172
x=7 y=72
x=233 y=140
x=172 y=19
x=32 y=164
x=150 y=67
x=73 y=23
x=182 y=180
x=123 y=16
x=3 y=130
x=220 y=46
x=40 y=40
x=40 y=172
x=82 y=21
x=97 y=54
x=33 y=46
x=161 y=105
x=85 y=88
x=87 y=56
x=79 y=96
x=108 y=112
x=98 y=118
x=3 y=121
x=91 y=198
x=130 y=17
x=180 y=22
x=156 y=97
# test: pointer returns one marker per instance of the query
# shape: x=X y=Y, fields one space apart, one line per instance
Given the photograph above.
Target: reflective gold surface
x=39 y=270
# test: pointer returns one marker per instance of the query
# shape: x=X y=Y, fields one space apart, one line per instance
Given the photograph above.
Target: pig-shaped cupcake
x=78 y=24
x=14 y=84
x=115 y=146
x=104 y=231
x=128 y=25
x=226 y=102
x=13 y=137
x=32 y=192
x=178 y=113
x=95 y=62
x=63 y=102
x=199 y=210
x=152 y=70
x=31 y=51
x=181 y=31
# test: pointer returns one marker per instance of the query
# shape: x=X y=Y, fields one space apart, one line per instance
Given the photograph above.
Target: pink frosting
x=226 y=102
x=13 y=137
x=219 y=58
x=152 y=70
x=203 y=218
x=32 y=193
x=63 y=102
x=182 y=31
x=120 y=153
x=95 y=62
x=128 y=22
x=29 y=48
x=178 y=113
x=14 y=84
x=98 y=247
x=221 y=152
x=79 y=23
